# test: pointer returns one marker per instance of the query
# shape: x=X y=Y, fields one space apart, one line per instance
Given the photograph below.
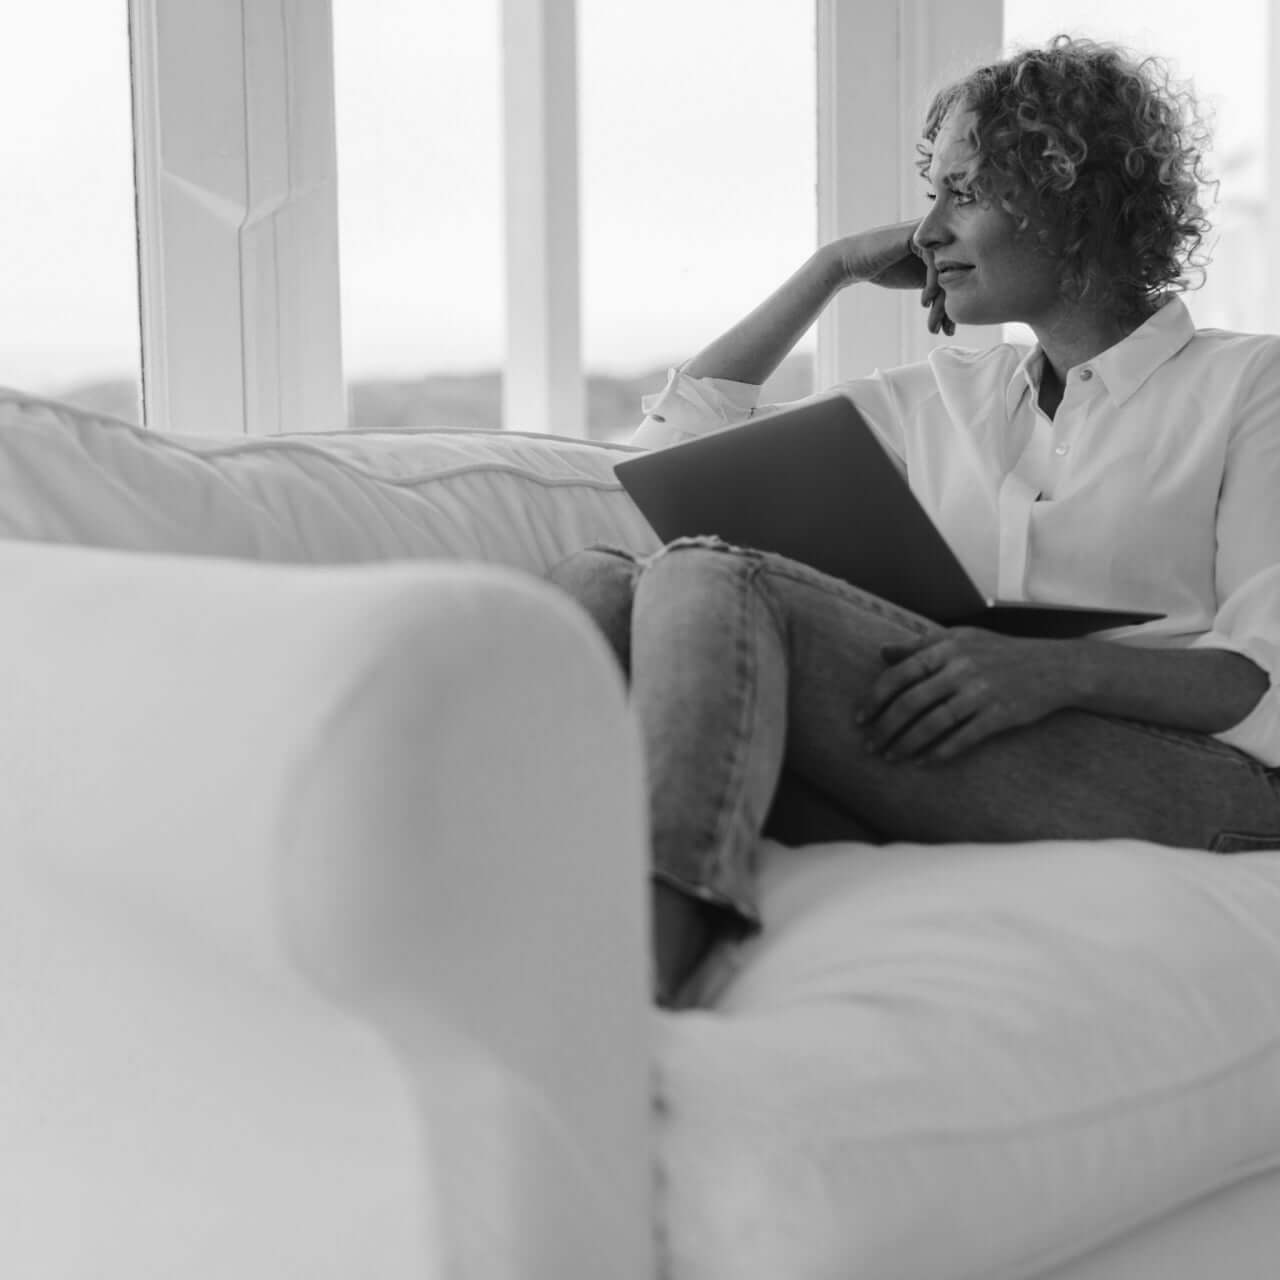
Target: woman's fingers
x=923 y=704
x=930 y=732
x=942 y=694
x=938 y=318
x=895 y=652
x=906 y=703
x=982 y=725
x=913 y=716
x=908 y=662
x=934 y=297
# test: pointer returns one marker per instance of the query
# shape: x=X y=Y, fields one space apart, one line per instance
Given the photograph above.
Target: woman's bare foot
x=683 y=931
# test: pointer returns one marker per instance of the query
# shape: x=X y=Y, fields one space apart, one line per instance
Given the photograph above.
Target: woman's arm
x=757 y=345
x=950 y=690
x=1207 y=690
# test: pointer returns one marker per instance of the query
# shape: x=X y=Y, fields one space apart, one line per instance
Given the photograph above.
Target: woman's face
x=991 y=272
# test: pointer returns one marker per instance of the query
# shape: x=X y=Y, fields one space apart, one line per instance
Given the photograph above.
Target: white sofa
x=323 y=853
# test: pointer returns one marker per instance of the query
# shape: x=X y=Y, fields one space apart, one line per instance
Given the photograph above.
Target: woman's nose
x=930 y=231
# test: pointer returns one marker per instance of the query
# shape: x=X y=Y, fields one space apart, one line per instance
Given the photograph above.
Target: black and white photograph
x=641 y=641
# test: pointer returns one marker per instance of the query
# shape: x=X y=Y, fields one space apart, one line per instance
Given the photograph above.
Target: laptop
x=815 y=484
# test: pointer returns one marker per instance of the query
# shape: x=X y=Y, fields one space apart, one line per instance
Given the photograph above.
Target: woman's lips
x=949 y=275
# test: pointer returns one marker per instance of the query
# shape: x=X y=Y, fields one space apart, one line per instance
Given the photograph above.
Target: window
x=697 y=177
x=672 y=132
x=418 y=107
x=69 y=324
x=703 y=134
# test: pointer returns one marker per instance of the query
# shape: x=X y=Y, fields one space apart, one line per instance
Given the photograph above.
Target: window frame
x=236 y=179
x=543 y=387
x=236 y=170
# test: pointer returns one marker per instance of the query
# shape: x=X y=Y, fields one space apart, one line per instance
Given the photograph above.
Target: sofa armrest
x=325 y=941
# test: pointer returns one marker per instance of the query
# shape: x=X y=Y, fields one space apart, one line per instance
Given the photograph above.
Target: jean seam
x=747 y=564
x=728 y=823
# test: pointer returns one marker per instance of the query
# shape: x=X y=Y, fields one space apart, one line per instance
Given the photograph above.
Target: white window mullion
x=542 y=377
x=877 y=65
x=237 y=215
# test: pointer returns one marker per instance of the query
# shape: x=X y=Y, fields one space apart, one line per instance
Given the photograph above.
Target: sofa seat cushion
x=963 y=1062
x=517 y=499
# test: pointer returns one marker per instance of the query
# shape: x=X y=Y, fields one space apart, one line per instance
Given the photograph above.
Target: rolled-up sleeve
x=688 y=407
x=1247 y=565
x=1249 y=624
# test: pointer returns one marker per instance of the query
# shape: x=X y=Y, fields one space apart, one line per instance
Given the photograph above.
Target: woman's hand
x=947 y=692
x=888 y=256
x=934 y=296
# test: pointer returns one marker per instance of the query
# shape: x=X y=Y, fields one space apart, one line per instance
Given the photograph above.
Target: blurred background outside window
x=697 y=163
x=697 y=155
x=418 y=106
x=68 y=233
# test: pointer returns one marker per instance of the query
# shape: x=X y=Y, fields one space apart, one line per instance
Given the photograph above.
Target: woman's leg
x=603 y=581
x=742 y=661
x=723 y=662
x=1073 y=775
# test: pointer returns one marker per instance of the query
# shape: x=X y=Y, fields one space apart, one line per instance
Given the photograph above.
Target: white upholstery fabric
x=324 y=924
x=972 y=1061
x=520 y=500
x=303 y=923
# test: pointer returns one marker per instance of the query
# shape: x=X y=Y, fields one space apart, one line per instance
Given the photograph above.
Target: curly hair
x=1100 y=154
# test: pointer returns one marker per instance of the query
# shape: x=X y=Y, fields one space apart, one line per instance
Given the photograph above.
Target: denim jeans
x=746 y=670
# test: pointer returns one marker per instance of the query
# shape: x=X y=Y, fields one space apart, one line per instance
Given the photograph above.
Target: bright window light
x=698 y=174
x=69 y=324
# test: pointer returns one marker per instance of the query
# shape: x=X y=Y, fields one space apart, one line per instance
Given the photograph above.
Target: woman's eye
x=957 y=197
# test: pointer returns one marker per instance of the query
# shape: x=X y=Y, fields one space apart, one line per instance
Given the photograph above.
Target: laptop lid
x=815 y=484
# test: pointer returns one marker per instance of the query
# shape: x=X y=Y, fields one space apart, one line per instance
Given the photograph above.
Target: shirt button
x=1086 y=374
x=1062 y=450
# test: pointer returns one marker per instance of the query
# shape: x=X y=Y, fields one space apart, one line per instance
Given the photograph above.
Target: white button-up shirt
x=1155 y=486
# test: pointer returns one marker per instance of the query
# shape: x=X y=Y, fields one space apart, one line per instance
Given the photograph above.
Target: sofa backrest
x=517 y=499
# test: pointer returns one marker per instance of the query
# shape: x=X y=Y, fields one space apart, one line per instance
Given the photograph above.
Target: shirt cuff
x=1249 y=624
x=1258 y=734
x=688 y=407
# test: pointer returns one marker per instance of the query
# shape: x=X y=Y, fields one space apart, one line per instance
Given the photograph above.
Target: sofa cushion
x=518 y=499
x=971 y=1060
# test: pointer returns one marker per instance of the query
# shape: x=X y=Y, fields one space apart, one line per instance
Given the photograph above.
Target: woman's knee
x=703 y=558
x=593 y=569
x=706 y=576
x=602 y=580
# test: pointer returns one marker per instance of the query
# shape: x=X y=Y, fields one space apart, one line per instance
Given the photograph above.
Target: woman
x=1126 y=460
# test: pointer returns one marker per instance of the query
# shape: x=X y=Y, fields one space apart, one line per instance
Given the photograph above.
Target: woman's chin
x=966 y=311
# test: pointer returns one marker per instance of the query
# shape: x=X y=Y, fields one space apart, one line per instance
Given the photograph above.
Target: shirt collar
x=1025 y=380
x=1124 y=367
